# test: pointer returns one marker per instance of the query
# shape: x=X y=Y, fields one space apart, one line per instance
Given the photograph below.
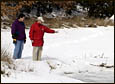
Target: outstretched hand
x=56 y=32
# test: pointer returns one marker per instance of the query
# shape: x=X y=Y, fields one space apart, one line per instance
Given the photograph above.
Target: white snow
x=70 y=56
x=4 y=18
x=112 y=18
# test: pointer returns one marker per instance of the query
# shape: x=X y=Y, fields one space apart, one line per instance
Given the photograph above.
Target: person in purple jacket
x=18 y=35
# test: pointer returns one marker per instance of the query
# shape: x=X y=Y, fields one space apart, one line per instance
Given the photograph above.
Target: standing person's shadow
x=51 y=58
x=29 y=57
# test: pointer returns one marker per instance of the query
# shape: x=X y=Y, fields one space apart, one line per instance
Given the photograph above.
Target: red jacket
x=36 y=33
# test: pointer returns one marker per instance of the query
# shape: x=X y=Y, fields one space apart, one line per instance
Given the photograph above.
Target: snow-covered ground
x=72 y=55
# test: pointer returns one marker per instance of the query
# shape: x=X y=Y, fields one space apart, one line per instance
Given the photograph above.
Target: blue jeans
x=18 y=49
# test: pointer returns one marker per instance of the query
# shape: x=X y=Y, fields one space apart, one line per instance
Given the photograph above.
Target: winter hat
x=40 y=19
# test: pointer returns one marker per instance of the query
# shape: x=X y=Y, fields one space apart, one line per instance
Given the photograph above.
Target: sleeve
x=25 y=34
x=48 y=30
x=31 y=32
x=13 y=30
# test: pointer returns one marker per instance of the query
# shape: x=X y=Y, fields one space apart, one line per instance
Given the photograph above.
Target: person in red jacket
x=36 y=35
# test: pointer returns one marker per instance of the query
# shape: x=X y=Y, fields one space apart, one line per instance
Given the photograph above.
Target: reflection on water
x=96 y=77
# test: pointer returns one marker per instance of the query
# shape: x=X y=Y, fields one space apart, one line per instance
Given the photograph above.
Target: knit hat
x=40 y=19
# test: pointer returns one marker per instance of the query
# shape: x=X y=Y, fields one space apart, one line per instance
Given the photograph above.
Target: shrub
x=6 y=62
x=6 y=56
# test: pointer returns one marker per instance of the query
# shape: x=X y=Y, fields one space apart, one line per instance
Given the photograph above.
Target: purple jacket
x=18 y=28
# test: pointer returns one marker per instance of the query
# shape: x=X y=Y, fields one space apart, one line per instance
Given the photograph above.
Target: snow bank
x=35 y=72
